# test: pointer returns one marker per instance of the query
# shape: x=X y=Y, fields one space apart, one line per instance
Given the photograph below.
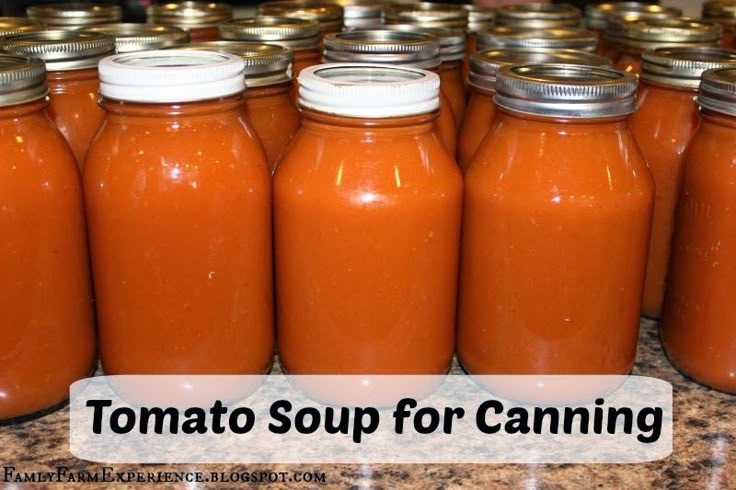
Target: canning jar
x=71 y=73
x=48 y=337
x=130 y=37
x=662 y=127
x=538 y=15
x=200 y=19
x=484 y=67
x=178 y=199
x=361 y=13
x=697 y=328
x=329 y=16
x=723 y=12
x=72 y=15
x=18 y=25
x=268 y=76
x=630 y=38
x=367 y=207
x=414 y=49
x=428 y=14
x=558 y=38
x=556 y=218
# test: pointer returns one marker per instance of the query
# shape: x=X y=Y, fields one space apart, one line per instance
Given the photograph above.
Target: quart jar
x=71 y=63
x=18 y=25
x=329 y=16
x=722 y=12
x=72 y=15
x=178 y=199
x=484 y=67
x=697 y=328
x=538 y=15
x=662 y=127
x=503 y=37
x=412 y=49
x=597 y=16
x=130 y=37
x=299 y=35
x=630 y=38
x=198 y=18
x=556 y=218
x=48 y=336
x=268 y=76
x=367 y=211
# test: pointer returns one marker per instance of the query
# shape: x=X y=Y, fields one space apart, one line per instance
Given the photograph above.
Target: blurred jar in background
x=200 y=19
x=18 y=25
x=131 y=37
x=538 y=15
x=504 y=37
x=329 y=16
x=73 y=15
x=722 y=12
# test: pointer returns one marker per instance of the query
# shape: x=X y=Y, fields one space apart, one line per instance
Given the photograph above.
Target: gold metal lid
x=18 y=25
x=189 y=15
x=683 y=67
x=415 y=49
x=73 y=15
x=718 y=91
x=61 y=50
x=539 y=15
x=557 y=38
x=479 y=18
x=452 y=41
x=131 y=37
x=721 y=11
x=648 y=34
x=428 y=14
x=21 y=80
x=328 y=15
x=597 y=14
x=296 y=34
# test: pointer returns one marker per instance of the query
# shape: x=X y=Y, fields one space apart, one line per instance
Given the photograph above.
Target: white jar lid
x=171 y=75
x=368 y=90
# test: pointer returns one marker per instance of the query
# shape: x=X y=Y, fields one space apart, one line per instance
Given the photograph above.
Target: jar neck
x=651 y=84
x=268 y=90
x=718 y=118
x=217 y=107
x=24 y=109
x=72 y=75
x=315 y=120
x=556 y=123
x=451 y=65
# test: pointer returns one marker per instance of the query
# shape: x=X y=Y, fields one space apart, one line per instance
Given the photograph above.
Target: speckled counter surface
x=704 y=451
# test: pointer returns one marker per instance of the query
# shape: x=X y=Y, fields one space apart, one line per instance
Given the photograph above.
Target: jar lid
x=649 y=33
x=360 y=9
x=265 y=64
x=61 y=50
x=597 y=14
x=718 y=91
x=328 y=15
x=71 y=15
x=21 y=80
x=18 y=25
x=452 y=41
x=296 y=34
x=485 y=65
x=538 y=15
x=557 y=38
x=171 y=76
x=383 y=46
x=722 y=11
x=368 y=90
x=189 y=15
x=683 y=67
x=566 y=91
x=479 y=18
x=131 y=37
x=428 y=14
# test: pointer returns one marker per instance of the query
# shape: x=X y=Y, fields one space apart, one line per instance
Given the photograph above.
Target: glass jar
x=502 y=37
x=484 y=67
x=299 y=35
x=178 y=198
x=697 y=327
x=329 y=16
x=200 y=19
x=630 y=38
x=48 y=336
x=538 y=16
x=722 y=12
x=361 y=13
x=557 y=210
x=413 y=49
x=428 y=14
x=662 y=127
x=131 y=37
x=269 y=107
x=367 y=211
x=598 y=14
x=71 y=63
x=479 y=19
x=18 y=25
x=73 y=15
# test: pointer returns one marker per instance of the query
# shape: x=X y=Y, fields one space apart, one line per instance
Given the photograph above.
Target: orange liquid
x=451 y=78
x=366 y=229
x=628 y=62
x=303 y=58
x=697 y=329
x=274 y=118
x=471 y=46
x=204 y=34
x=48 y=338
x=178 y=206
x=74 y=109
x=662 y=127
x=445 y=123
x=478 y=120
x=555 y=233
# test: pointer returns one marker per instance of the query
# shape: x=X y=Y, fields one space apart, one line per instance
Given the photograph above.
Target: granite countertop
x=704 y=453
